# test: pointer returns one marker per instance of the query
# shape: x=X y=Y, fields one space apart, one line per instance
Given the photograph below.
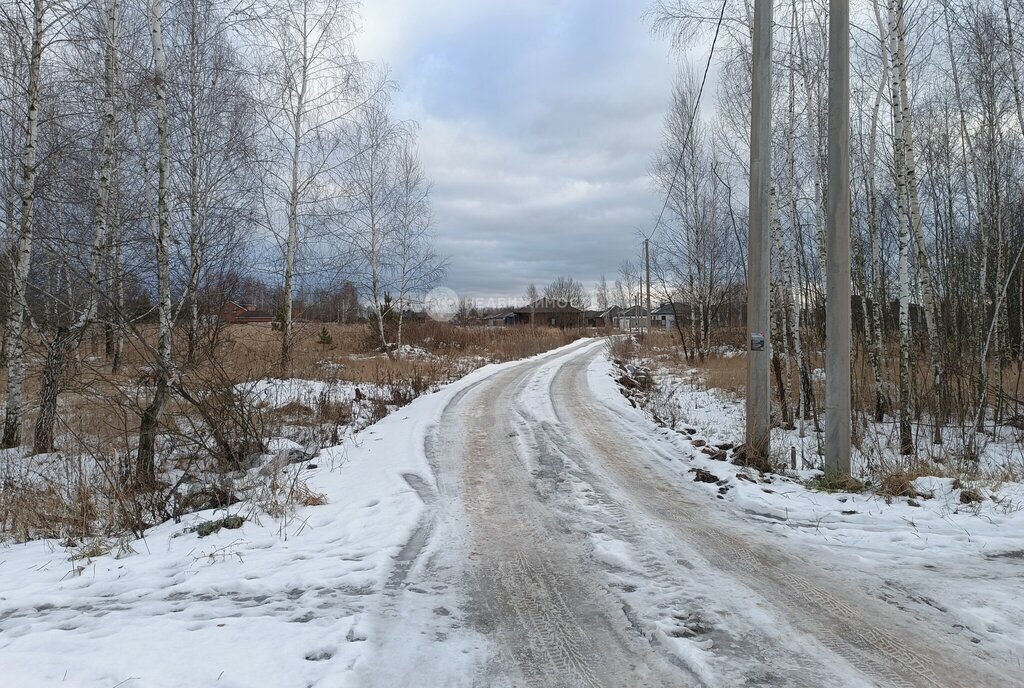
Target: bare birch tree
x=417 y=266
x=145 y=467
x=68 y=337
x=306 y=89
x=36 y=36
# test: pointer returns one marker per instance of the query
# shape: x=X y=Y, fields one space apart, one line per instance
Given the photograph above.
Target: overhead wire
x=693 y=118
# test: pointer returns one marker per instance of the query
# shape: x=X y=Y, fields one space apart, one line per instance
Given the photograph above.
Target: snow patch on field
x=275 y=393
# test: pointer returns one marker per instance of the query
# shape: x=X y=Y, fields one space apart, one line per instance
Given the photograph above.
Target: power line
x=693 y=118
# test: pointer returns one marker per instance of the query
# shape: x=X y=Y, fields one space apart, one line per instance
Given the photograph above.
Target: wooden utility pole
x=647 y=261
x=837 y=244
x=758 y=245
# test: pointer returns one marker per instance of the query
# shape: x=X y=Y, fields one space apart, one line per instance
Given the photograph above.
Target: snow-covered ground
x=277 y=393
x=939 y=548
x=502 y=510
x=279 y=602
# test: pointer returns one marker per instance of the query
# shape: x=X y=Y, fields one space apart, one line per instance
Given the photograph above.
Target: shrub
x=898 y=484
x=836 y=482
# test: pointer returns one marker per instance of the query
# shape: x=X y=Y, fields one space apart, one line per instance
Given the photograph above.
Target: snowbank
x=943 y=554
x=277 y=602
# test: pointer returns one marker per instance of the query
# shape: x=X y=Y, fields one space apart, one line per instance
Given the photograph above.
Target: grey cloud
x=538 y=127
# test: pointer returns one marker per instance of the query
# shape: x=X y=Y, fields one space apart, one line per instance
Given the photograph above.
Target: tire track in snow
x=900 y=654
x=554 y=621
x=674 y=588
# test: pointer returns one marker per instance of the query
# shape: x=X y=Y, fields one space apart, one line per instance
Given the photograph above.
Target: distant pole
x=758 y=247
x=837 y=244
x=647 y=260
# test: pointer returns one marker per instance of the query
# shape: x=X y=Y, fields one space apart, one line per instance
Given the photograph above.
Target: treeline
x=156 y=153
x=937 y=151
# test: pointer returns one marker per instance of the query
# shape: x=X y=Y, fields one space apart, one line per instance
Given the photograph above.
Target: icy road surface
x=558 y=549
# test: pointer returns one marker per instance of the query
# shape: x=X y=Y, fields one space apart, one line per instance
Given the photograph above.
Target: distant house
x=551 y=312
x=634 y=318
x=409 y=315
x=666 y=314
x=244 y=313
x=500 y=319
x=605 y=318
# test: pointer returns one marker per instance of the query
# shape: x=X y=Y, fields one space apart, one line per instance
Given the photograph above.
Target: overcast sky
x=538 y=121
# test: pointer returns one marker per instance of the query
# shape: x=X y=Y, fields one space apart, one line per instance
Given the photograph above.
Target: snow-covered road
x=526 y=526
x=558 y=549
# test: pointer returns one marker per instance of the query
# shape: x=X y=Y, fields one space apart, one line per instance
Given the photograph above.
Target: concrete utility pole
x=647 y=260
x=758 y=246
x=837 y=244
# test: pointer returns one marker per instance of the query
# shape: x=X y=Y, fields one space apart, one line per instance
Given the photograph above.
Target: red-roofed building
x=244 y=313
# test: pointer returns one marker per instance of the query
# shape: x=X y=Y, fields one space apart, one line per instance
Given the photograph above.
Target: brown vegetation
x=890 y=473
x=210 y=428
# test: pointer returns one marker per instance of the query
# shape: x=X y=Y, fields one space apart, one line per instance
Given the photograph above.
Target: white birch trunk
x=803 y=389
x=21 y=257
x=1015 y=77
x=873 y=285
x=970 y=161
x=927 y=289
x=67 y=339
x=814 y=148
x=899 y=145
x=196 y=204
x=292 y=242
x=146 y=461
x=979 y=414
x=780 y=349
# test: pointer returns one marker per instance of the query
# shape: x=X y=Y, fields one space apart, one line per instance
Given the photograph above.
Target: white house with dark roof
x=666 y=314
x=634 y=318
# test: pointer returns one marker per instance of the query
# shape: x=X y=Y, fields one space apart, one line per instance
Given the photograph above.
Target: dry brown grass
x=959 y=389
x=725 y=372
x=889 y=474
x=898 y=483
x=253 y=351
x=716 y=371
x=495 y=343
x=622 y=349
x=81 y=492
